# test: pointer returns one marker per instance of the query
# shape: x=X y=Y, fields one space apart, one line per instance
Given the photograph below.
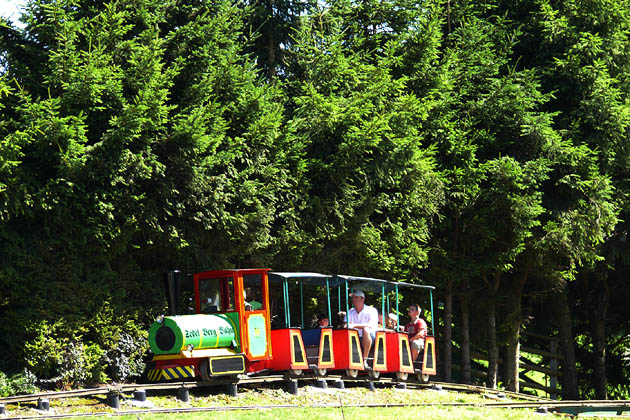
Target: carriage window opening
x=216 y=295
x=252 y=288
x=276 y=304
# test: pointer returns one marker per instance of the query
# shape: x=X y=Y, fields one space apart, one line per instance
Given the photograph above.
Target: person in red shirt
x=416 y=330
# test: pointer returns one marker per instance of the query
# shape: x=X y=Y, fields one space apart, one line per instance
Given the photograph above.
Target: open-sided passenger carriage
x=425 y=365
x=390 y=352
x=320 y=350
x=297 y=347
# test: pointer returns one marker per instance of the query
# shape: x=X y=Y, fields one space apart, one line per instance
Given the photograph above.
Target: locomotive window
x=216 y=295
x=253 y=285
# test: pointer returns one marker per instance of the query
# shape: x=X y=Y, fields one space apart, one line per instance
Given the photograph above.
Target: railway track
x=551 y=407
x=255 y=380
x=126 y=388
x=500 y=399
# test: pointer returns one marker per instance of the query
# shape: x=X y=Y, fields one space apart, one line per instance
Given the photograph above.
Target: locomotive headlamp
x=190 y=347
x=159 y=319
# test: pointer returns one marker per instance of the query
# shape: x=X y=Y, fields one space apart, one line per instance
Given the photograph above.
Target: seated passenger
x=364 y=318
x=341 y=320
x=416 y=330
x=322 y=321
x=391 y=322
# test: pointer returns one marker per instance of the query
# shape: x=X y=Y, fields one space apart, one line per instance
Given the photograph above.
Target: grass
x=351 y=413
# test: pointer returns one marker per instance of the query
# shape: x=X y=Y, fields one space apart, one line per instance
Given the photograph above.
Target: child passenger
x=341 y=320
x=391 y=321
x=416 y=330
x=323 y=321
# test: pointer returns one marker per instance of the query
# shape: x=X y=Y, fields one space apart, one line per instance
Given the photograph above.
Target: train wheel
x=353 y=373
x=204 y=368
x=320 y=372
x=402 y=376
x=296 y=372
x=374 y=374
x=423 y=378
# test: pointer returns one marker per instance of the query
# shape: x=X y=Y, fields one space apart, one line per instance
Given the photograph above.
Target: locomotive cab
x=243 y=295
x=229 y=333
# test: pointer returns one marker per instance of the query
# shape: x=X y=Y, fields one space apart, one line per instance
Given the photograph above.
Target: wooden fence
x=548 y=366
x=552 y=371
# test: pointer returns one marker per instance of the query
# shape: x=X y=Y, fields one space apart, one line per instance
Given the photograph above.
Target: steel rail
x=120 y=388
x=512 y=405
x=54 y=395
x=482 y=389
x=255 y=380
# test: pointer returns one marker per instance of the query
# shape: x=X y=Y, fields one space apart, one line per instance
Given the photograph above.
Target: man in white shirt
x=365 y=319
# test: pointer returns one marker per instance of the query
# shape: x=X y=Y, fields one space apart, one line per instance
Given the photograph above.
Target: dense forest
x=482 y=147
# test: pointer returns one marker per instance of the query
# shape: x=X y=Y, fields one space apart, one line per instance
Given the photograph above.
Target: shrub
x=57 y=356
x=125 y=360
x=44 y=354
x=108 y=346
x=124 y=340
x=21 y=383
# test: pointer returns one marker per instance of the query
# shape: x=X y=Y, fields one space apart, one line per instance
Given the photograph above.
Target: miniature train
x=231 y=331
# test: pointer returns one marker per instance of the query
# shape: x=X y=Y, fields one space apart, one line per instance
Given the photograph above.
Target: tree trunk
x=565 y=328
x=448 y=14
x=465 y=329
x=493 y=348
x=271 y=55
x=512 y=345
x=448 y=332
x=598 y=329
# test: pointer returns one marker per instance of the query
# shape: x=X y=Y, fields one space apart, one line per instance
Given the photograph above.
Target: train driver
x=365 y=319
x=252 y=305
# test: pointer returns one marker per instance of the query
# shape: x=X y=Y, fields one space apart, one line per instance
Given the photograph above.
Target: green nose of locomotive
x=176 y=333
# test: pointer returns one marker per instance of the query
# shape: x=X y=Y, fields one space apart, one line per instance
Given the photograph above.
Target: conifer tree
x=370 y=180
x=141 y=141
